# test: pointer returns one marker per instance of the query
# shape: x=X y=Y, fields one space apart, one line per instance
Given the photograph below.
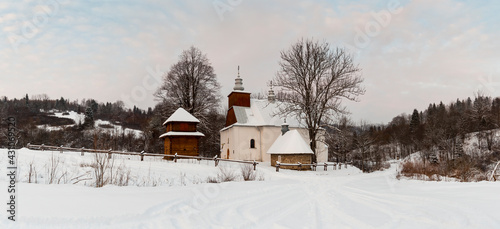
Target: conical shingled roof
x=290 y=143
x=181 y=115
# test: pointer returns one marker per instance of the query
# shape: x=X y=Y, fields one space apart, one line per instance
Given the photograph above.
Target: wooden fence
x=141 y=154
x=313 y=165
x=494 y=174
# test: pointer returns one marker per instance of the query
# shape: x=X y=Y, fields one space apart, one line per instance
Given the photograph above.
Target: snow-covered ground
x=71 y=115
x=289 y=199
x=116 y=129
x=99 y=124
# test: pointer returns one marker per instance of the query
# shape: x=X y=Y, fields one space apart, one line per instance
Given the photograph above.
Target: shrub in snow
x=211 y=179
x=464 y=168
x=100 y=166
x=247 y=172
x=226 y=174
x=32 y=174
x=122 y=176
x=53 y=169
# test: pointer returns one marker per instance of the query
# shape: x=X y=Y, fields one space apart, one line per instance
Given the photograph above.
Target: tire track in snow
x=325 y=198
x=421 y=206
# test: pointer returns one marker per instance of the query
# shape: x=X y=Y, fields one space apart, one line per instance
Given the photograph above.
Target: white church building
x=253 y=125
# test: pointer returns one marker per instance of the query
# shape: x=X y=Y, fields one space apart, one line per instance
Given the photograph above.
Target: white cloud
x=432 y=50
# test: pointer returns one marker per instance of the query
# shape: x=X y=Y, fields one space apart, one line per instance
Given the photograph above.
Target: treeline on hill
x=35 y=112
x=439 y=133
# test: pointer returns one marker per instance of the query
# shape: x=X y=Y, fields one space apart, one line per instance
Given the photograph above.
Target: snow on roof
x=264 y=113
x=246 y=92
x=178 y=133
x=181 y=115
x=290 y=143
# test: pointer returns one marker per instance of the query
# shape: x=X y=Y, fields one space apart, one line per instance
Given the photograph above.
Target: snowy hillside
x=289 y=199
x=476 y=142
x=105 y=126
x=115 y=129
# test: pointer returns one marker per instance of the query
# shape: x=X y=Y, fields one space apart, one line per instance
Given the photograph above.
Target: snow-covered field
x=79 y=118
x=289 y=199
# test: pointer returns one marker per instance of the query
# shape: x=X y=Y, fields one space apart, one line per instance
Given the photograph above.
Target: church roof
x=264 y=113
x=179 y=133
x=181 y=115
x=290 y=143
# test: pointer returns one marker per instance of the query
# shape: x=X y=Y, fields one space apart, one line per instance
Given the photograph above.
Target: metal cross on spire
x=238 y=82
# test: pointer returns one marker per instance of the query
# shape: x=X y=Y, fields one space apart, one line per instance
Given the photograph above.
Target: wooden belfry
x=181 y=136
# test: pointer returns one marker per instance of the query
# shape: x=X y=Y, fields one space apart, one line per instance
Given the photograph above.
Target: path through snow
x=288 y=199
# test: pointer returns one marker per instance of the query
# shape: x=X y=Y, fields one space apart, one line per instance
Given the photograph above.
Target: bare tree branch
x=191 y=84
x=314 y=79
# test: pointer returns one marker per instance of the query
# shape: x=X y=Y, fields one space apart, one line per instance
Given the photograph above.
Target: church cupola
x=238 y=84
x=238 y=97
x=270 y=96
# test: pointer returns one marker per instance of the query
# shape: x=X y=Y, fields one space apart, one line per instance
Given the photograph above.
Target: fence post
x=254 y=165
x=61 y=148
x=326 y=167
x=493 y=178
x=142 y=155
x=300 y=166
x=42 y=147
x=346 y=165
x=340 y=166
x=277 y=166
x=175 y=158
x=83 y=148
x=314 y=166
x=109 y=154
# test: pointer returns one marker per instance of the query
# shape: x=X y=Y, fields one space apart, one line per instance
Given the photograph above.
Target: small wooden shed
x=290 y=148
x=181 y=136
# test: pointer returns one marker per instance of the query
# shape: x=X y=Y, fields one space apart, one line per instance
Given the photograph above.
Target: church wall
x=264 y=136
x=239 y=143
x=269 y=135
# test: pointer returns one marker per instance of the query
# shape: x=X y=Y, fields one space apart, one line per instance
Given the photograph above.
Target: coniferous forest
x=35 y=117
x=457 y=139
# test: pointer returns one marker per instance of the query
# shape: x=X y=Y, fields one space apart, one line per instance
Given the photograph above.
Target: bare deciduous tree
x=363 y=143
x=192 y=84
x=314 y=79
x=339 y=139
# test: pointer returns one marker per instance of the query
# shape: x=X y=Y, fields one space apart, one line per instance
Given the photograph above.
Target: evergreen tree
x=94 y=105
x=89 y=118
x=415 y=122
x=62 y=104
x=27 y=100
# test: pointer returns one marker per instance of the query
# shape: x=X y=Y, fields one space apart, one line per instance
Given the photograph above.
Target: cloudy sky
x=412 y=52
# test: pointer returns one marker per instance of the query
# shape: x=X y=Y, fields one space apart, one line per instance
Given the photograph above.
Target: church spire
x=238 y=84
x=270 y=96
